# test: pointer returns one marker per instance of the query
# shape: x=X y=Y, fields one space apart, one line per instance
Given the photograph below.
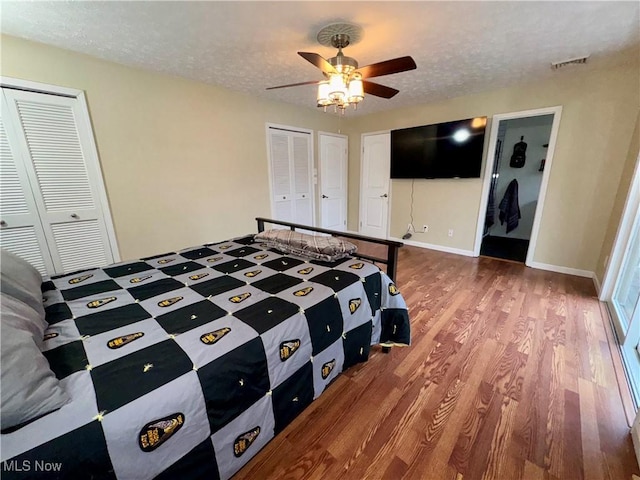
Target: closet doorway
x=517 y=170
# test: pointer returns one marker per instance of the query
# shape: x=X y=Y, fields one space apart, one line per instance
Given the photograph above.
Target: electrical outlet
x=451 y=232
x=425 y=228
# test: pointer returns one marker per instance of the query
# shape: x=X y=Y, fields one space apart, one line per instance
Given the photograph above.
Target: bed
x=185 y=364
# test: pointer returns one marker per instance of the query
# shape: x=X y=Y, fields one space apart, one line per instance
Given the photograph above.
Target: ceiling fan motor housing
x=343 y=64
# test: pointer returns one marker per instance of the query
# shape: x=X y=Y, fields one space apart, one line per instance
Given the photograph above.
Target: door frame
x=360 y=193
x=623 y=236
x=346 y=176
x=92 y=155
x=488 y=169
x=289 y=128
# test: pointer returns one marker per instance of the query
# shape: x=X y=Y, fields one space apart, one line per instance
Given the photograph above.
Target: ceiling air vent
x=571 y=61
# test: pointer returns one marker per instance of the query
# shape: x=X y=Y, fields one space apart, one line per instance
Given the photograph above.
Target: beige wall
x=599 y=114
x=621 y=197
x=184 y=162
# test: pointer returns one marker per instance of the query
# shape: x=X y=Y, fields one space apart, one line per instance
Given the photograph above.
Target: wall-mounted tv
x=443 y=150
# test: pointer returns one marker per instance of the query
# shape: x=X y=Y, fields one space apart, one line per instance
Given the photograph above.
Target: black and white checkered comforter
x=185 y=365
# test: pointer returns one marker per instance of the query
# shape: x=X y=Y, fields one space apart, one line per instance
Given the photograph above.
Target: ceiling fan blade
x=396 y=65
x=312 y=82
x=318 y=61
x=378 y=90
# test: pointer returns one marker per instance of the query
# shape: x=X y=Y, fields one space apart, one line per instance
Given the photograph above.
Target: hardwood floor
x=509 y=376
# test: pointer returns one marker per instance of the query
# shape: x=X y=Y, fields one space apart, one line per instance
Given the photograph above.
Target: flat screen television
x=444 y=150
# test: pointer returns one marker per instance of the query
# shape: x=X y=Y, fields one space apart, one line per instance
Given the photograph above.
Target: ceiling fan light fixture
x=345 y=82
x=356 y=90
x=337 y=88
x=323 y=94
x=340 y=91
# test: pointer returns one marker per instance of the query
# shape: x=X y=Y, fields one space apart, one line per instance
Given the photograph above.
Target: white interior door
x=291 y=173
x=65 y=185
x=374 y=186
x=281 y=194
x=302 y=178
x=21 y=232
x=333 y=181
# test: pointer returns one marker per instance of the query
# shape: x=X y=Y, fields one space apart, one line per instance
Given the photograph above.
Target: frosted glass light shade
x=323 y=94
x=356 y=90
x=337 y=88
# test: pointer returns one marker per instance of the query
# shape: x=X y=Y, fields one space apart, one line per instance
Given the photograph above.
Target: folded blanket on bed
x=317 y=247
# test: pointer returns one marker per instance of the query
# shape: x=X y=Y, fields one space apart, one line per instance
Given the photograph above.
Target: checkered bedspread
x=185 y=365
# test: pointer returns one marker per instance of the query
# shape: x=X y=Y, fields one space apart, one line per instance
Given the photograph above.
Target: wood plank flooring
x=509 y=376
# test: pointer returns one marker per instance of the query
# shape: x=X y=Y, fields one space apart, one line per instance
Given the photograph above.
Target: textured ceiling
x=459 y=47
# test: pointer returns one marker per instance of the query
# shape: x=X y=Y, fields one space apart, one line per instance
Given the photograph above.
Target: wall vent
x=571 y=61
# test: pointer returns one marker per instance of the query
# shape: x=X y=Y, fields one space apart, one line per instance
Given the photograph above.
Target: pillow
x=19 y=279
x=29 y=387
x=312 y=246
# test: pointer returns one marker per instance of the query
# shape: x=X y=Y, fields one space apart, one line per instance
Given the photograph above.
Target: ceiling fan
x=344 y=82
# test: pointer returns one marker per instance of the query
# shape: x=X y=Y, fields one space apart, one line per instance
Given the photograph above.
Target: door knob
x=74 y=215
x=384 y=196
x=324 y=196
x=3 y=223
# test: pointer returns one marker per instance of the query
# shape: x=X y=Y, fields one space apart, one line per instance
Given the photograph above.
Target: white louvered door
x=22 y=232
x=281 y=184
x=301 y=179
x=54 y=141
x=291 y=167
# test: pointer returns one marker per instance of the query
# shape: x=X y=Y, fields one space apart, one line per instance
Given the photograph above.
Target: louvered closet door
x=291 y=176
x=301 y=179
x=54 y=135
x=21 y=232
x=281 y=177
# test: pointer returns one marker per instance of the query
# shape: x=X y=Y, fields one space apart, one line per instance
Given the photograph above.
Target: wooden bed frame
x=392 y=246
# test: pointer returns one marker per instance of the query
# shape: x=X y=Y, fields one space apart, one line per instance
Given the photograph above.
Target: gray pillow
x=22 y=281
x=29 y=387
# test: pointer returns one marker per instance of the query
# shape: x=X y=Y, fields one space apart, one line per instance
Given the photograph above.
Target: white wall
x=536 y=132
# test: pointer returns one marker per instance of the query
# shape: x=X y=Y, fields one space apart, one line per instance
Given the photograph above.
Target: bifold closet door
x=52 y=136
x=291 y=176
x=22 y=231
x=301 y=178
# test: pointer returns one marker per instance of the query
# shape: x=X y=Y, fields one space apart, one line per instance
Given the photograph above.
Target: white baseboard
x=559 y=269
x=541 y=266
x=440 y=248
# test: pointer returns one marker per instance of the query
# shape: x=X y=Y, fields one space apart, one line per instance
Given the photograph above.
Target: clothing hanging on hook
x=509 y=207
x=519 y=154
